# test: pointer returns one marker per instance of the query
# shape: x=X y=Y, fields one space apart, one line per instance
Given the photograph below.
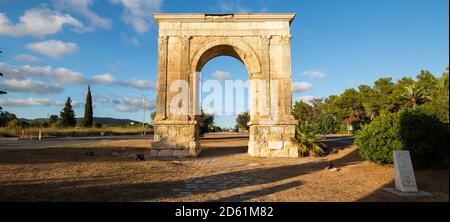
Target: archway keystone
x=186 y=42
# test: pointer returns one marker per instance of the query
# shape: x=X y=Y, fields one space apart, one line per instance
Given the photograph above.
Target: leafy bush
x=326 y=124
x=418 y=130
x=425 y=135
x=377 y=140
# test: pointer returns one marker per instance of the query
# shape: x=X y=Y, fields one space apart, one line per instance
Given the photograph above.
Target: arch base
x=272 y=141
x=175 y=139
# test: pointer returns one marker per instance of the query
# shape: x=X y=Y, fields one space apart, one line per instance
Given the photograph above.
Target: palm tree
x=307 y=141
x=415 y=95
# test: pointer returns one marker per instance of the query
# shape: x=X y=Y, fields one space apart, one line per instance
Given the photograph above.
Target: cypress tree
x=68 y=115
x=88 y=120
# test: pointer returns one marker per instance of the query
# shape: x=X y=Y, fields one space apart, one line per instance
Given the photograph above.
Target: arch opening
x=224 y=90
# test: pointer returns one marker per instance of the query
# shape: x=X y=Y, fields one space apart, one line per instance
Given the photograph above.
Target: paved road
x=347 y=140
x=13 y=143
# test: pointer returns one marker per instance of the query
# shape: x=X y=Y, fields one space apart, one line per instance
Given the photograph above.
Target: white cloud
x=106 y=78
x=141 y=84
x=102 y=99
x=301 y=86
x=82 y=7
x=314 y=74
x=39 y=22
x=26 y=58
x=131 y=104
x=58 y=75
x=63 y=75
x=36 y=70
x=221 y=75
x=67 y=76
x=138 y=13
x=53 y=48
x=30 y=86
x=307 y=99
x=75 y=104
x=24 y=102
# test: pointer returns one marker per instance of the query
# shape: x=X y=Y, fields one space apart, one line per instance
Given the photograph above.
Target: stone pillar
x=161 y=88
x=286 y=99
x=175 y=133
x=270 y=136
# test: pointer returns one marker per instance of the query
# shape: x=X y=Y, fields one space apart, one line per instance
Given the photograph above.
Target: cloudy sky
x=53 y=49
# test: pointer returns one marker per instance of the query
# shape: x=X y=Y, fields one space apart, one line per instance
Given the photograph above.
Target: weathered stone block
x=166 y=152
x=180 y=152
x=405 y=180
x=275 y=145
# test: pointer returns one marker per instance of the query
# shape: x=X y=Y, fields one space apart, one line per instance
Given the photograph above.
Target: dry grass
x=77 y=131
x=113 y=174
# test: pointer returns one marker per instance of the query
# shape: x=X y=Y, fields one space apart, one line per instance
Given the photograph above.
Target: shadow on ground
x=114 y=189
x=426 y=180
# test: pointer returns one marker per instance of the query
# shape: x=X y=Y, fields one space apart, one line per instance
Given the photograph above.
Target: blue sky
x=336 y=44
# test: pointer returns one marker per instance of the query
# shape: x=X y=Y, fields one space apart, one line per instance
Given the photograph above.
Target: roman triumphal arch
x=261 y=42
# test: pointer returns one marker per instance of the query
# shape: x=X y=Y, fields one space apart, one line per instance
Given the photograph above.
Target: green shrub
x=418 y=130
x=326 y=124
x=425 y=135
x=377 y=140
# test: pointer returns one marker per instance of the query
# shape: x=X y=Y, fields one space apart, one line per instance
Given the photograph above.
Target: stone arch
x=186 y=42
x=238 y=49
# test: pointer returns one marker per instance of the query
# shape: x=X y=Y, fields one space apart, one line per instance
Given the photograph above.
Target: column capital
x=186 y=37
x=285 y=39
x=163 y=38
x=266 y=39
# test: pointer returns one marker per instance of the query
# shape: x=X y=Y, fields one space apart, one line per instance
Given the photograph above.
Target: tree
x=348 y=107
x=302 y=111
x=326 y=124
x=68 y=115
x=6 y=117
x=53 y=119
x=1 y=91
x=205 y=122
x=440 y=99
x=152 y=116
x=88 y=120
x=427 y=81
x=415 y=95
x=242 y=120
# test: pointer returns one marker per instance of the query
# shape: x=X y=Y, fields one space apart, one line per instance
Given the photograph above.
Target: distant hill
x=101 y=120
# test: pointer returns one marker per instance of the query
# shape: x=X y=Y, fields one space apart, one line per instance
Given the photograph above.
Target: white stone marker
x=404 y=173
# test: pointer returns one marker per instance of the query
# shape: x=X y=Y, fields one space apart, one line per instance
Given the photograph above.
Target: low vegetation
x=75 y=131
x=347 y=112
x=406 y=115
x=418 y=130
x=65 y=124
x=307 y=141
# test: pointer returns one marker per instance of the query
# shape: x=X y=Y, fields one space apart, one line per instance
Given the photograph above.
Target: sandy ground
x=222 y=172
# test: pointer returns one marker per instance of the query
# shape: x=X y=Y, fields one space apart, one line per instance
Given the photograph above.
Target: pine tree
x=88 y=120
x=68 y=115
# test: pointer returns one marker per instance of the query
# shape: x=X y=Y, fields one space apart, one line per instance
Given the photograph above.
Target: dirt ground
x=222 y=172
